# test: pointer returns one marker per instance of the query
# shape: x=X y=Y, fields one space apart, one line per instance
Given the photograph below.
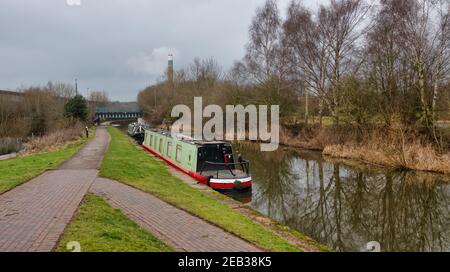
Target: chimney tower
x=170 y=69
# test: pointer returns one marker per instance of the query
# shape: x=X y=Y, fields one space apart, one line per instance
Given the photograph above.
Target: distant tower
x=170 y=69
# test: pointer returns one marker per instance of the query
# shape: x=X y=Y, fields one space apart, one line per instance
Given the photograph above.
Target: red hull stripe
x=229 y=185
x=196 y=176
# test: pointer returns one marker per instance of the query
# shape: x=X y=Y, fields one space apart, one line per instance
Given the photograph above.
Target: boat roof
x=187 y=138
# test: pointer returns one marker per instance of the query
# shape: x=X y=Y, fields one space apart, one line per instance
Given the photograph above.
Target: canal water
x=344 y=206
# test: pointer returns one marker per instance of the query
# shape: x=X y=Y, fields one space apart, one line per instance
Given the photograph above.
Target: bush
x=76 y=108
x=10 y=145
x=56 y=138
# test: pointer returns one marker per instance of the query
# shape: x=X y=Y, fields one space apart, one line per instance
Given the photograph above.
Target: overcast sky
x=119 y=46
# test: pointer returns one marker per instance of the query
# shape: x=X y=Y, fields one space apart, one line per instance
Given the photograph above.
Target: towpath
x=177 y=228
x=34 y=215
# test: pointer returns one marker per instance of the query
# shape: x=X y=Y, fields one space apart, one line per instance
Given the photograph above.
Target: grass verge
x=126 y=163
x=100 y=228
x=16 y=171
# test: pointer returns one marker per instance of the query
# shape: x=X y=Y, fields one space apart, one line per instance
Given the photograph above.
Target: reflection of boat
x=241 y=196
x=209 y=162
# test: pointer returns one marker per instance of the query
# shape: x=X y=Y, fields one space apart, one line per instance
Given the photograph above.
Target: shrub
x=56 y=138
x=76 y=108
x=10 y=145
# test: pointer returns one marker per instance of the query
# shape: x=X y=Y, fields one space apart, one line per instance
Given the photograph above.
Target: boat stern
x=231 y=183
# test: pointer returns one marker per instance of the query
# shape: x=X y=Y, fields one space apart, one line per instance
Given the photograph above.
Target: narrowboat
x=209 y=162
x=137 y=131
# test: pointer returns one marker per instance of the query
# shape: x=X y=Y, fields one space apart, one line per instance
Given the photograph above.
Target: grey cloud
x=119 y=46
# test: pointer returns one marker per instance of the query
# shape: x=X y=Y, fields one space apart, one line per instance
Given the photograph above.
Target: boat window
x=169 y=148
x=214 y=153
x=178 y=153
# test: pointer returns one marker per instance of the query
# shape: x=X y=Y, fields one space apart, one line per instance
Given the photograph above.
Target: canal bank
x=129 y=164
x=390 y=148
x=18 y=170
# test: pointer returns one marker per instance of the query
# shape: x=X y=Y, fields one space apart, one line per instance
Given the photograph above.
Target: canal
x=344 y=206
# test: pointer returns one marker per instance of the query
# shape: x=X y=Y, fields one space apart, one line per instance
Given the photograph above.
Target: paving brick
x=34 y=215
x=177 y=228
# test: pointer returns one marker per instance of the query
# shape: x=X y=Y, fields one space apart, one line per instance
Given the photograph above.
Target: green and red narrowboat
x=209 y=162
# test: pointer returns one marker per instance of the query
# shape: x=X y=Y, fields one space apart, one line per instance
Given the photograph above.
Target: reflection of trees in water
x=346 y=208
x=408 y=216
x=270 y=192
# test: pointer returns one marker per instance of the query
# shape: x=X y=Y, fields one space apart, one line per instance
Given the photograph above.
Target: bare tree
x=61 y=89
x=308 y=52
x=99 y=98
x=341 y=26
x=205 y=71
x=409 y=55
x=263 y=48
x=383 y=69
x=325 y=47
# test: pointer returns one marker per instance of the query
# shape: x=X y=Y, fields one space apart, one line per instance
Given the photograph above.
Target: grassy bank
x=391 y=148
x=56 y=139
x=100 y=228
x=125 y=162
x=411 y=156
x=16 y=171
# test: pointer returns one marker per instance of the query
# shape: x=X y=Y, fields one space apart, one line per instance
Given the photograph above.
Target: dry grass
x=54 y=139
x=315 y=139
x=393 y=150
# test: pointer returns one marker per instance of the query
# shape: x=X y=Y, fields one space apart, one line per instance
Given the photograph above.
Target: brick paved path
x=35 y=214
x=177 y=228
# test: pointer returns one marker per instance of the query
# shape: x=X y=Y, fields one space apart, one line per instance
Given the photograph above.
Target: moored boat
x=137 y=131
x=209 y=162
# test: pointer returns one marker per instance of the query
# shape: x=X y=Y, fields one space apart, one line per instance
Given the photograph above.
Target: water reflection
x=243 y=196
x=346 y=207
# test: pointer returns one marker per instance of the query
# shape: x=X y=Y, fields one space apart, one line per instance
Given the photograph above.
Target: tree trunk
x=306 y=106
x=425 y=115
x=320 y=112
